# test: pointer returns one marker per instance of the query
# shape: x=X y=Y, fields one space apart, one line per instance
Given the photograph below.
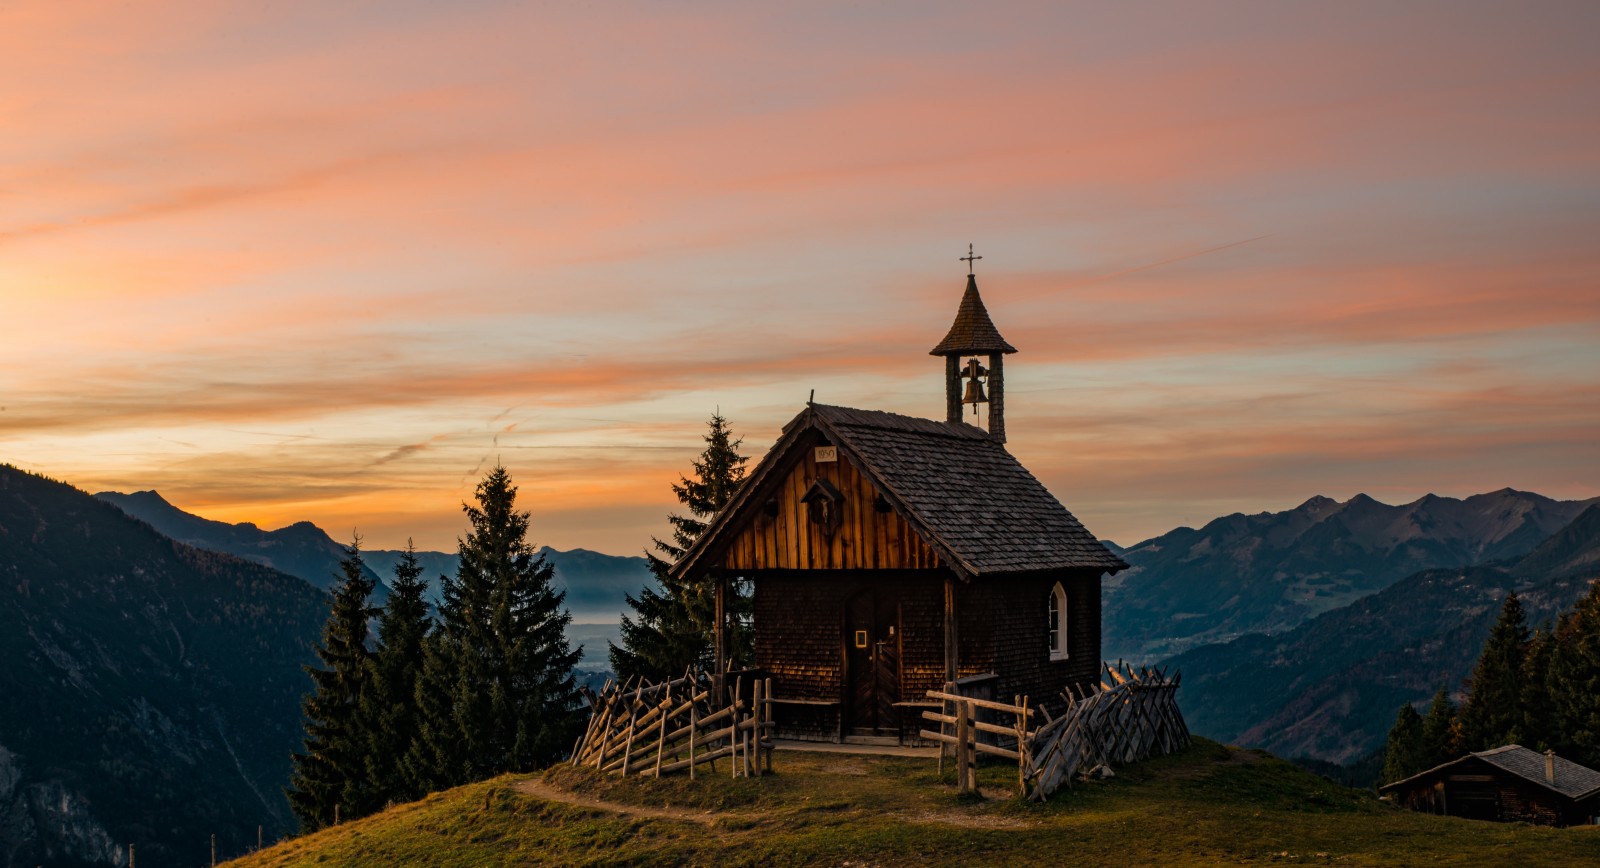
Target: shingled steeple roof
x=973 y=331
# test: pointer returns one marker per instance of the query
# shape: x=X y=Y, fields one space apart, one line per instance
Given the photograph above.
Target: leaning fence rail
x=1132 y=715
x=643 y=728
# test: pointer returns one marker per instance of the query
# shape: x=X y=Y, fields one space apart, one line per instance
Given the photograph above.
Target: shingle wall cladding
x=1003 y=628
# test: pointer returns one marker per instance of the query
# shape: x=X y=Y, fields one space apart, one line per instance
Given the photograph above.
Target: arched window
x=1058 y=622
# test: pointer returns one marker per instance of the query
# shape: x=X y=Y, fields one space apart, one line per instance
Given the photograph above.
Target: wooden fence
x=1131 y=716
x=656 y=729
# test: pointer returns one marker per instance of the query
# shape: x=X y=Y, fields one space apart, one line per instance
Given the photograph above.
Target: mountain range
x=1329 y=688
x=155 y=683
x=595 y=583
x=1270 y=572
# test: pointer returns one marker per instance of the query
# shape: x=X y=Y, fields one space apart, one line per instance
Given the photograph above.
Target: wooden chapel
x=891 y=555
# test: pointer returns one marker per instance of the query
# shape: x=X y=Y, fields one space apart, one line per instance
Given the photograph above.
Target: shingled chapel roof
x=973 y=331
x=962 y=491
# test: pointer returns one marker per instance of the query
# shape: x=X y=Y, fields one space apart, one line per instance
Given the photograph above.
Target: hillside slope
x=1328 y=689
x=151 y=690
x=1206 y=805
x=1269 y=572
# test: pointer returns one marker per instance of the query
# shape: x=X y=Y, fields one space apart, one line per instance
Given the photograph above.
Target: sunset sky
x=329 y=261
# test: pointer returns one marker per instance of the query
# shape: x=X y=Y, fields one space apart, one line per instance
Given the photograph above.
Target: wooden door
x=872 y=651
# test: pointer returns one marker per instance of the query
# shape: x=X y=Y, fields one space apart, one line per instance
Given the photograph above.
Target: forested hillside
x=1329 y=688
x=151 y=690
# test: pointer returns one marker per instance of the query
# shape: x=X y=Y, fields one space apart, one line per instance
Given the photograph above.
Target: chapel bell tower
x=972 y=335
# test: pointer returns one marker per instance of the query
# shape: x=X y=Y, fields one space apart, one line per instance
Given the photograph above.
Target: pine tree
x=1403 y=754
x=1441 y=734
x=1491 y=716
x=1538 y=711
x=672 y=628
x=497 y=681
x=332 y=771
x=389 y=707
x=1575 y=681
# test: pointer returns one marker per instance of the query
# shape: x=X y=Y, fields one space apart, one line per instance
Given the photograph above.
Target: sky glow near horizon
x=328 y=262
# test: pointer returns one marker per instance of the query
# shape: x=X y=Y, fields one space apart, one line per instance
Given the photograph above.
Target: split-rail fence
x=1132 y=715
x=643 y=728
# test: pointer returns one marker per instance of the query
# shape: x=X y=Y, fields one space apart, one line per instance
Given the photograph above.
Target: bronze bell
x=974 y=374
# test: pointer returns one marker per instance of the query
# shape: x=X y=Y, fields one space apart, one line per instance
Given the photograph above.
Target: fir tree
x=437 y=759
x=332 y=771
x=1491 y=716
x=672 y=625
x=1403 y=754
x=1538 y=711
x=1575 y=681
x=389 y=707
x=498 y=678
x=1441 y=733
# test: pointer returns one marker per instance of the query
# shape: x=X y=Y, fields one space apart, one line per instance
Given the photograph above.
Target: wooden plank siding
x=866 y=539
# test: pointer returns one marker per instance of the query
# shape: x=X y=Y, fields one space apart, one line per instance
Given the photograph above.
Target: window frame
x=1058 y=632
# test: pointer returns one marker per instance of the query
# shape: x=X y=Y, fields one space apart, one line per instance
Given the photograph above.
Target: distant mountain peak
x=150 y=497
x=1269 y=572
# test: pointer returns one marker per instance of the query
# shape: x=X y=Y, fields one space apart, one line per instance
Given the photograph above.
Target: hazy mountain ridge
x=1270 y=572
x=300 y=549
x=595 y=582
x=151 y=688
x=1329 y=688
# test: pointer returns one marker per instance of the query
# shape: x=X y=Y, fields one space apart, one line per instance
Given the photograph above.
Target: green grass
x=1206 y=805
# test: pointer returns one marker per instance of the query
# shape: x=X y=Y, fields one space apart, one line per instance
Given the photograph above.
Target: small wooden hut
x=891 y=555
x=1507 y=784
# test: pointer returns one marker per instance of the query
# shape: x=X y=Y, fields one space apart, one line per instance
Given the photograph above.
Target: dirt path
x=541 y=790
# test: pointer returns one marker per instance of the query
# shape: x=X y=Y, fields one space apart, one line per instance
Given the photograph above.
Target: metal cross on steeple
x=969 y=258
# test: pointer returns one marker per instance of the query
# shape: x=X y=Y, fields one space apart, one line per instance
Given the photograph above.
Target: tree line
x=486 y=684
x=1539 y=689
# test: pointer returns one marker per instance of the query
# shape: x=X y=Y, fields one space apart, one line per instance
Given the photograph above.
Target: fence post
x=756 y=694
x=965 y=772
x=1023 y=757
x=960 y=747
x=768 y=722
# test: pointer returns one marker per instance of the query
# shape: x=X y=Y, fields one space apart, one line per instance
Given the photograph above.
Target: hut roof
x=973 y=331
x=1572 y=780
x=963 y=492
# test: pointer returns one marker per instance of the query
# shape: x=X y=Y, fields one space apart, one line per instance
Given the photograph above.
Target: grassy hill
x=1206 y=805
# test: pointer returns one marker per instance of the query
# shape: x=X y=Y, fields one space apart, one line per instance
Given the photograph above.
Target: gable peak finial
x=969 y=258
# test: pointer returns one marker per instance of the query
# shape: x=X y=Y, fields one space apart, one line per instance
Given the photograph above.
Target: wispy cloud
x=311 y=261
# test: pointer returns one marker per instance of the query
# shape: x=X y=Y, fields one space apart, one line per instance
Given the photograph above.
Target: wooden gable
x=779 y=531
